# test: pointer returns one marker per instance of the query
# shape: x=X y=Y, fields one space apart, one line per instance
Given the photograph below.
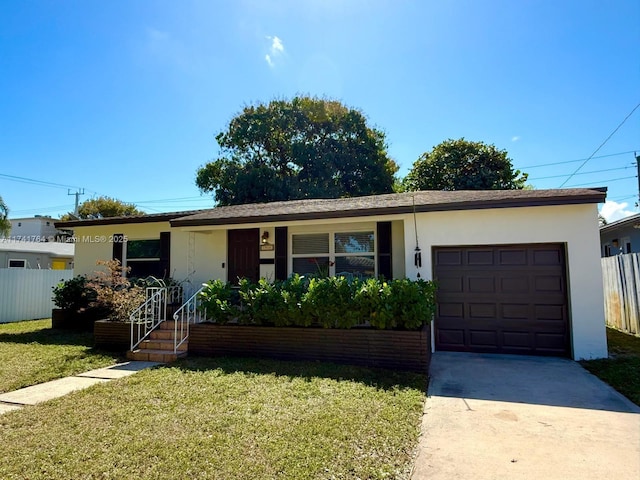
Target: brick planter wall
x=403 y=350
x=112 y=335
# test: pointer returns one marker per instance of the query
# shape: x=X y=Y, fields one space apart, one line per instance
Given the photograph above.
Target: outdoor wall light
x=265 y=237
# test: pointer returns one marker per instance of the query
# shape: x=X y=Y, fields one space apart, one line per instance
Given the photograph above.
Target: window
x=341 y=253
x=143 y=257
x=17 y=263
x=310 y=254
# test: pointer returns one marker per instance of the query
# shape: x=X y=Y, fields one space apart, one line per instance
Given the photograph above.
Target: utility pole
x=77 y=195
x=638 y=168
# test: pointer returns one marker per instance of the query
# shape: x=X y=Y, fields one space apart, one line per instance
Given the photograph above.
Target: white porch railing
x=148 y=315
x=189 y=312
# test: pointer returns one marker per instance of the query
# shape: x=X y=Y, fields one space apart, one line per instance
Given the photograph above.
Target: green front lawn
x=32 y=352
x=226 y=419
x=622 y=369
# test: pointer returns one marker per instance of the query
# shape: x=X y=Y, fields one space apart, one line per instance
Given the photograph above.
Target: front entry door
x=244 y=254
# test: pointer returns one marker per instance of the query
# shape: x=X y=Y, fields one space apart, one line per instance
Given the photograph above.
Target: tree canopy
x=301 y=148
x=103 y=207
x=5 y=224
x=464 y=165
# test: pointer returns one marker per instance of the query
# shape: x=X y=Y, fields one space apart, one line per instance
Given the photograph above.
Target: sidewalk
x=58 y=388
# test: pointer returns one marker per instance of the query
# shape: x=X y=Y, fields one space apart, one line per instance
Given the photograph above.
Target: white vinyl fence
x=25 y=294
x=621 y=280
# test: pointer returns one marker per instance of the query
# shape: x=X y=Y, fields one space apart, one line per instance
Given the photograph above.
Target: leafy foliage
x=103 y=207
x=334 y=302
x=464 y=165
x=75 y=294
x=303 y=148
x=114 y=293
x=5 y=224
x=216 y=299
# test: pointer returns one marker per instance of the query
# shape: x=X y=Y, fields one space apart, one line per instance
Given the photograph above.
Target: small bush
x=334 y=302
x=216 y=301
x=115 y=295
x=75 y=294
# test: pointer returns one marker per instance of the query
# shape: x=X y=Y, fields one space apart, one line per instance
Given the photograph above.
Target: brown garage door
x=502 y=299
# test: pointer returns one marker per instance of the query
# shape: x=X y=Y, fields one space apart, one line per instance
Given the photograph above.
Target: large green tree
x=103 y=207
x=464 y=165
x=301 y=148
x=5 y=224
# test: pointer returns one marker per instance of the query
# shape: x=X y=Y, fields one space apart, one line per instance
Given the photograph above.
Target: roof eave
x=452 y=206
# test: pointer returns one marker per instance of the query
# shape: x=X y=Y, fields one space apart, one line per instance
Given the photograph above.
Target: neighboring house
x=34 y=229
x=518 y=270
x=39 y=255
x=621 y=236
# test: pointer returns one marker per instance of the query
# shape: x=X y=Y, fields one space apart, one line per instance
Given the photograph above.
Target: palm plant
x=5 y=224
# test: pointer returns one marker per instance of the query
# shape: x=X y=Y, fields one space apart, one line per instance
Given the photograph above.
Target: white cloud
x=276 y=50
x=613 y=211
x=276 y=45
x=515 y=138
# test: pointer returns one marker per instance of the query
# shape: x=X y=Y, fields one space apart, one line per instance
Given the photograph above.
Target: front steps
x=159 y=346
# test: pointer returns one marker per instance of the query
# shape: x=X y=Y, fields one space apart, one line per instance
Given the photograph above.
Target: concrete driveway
x=517 y=417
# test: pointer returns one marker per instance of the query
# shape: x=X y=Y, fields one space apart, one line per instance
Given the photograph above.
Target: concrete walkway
x=501 y=416
x=58 y=388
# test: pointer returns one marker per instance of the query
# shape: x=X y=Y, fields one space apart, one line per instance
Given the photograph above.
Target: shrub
x=335 y=302
x=216 y=301
x=373 y=303
x=115 y=295
x=75 y=294
x=412 y=303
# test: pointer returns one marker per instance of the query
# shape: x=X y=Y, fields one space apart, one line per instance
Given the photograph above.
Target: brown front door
x=502 y=299
x=244 y=254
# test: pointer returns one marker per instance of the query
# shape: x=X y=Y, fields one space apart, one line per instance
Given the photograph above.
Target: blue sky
x=124 y=98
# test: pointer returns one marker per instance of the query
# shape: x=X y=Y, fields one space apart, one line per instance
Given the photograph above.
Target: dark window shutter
x=384 y=250
x=281 y=252
x=165 y=254
x=118 y=241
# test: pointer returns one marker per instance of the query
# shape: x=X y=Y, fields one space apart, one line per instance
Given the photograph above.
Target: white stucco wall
x=574 y=225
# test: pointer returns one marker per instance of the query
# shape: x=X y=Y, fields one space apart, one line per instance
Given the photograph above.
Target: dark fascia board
x=444 y=207
x=160 y=217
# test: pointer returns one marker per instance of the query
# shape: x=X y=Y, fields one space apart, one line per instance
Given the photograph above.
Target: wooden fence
x=621 y=279
x=25 y=294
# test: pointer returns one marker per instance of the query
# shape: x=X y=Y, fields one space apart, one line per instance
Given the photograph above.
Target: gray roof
x=394 y=203
x=631 y=220
x=146 y=218
x=389 y=204
x=54 y=249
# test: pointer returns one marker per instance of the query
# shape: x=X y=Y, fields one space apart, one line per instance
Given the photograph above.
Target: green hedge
x=335 y=302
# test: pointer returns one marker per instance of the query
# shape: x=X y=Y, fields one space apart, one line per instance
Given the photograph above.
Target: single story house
x=36 y=255
x=518 y=270
x=621 y=236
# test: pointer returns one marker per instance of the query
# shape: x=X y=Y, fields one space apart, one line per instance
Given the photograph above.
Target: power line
x=578 y=160
x=601 y=182
x=601 y=145
x=584 y=173
x=178 y=199
x=33 y=181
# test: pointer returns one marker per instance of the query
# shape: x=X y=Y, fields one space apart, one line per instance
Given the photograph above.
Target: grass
x=32 y=352
x=622 y=369
x=223 y=419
